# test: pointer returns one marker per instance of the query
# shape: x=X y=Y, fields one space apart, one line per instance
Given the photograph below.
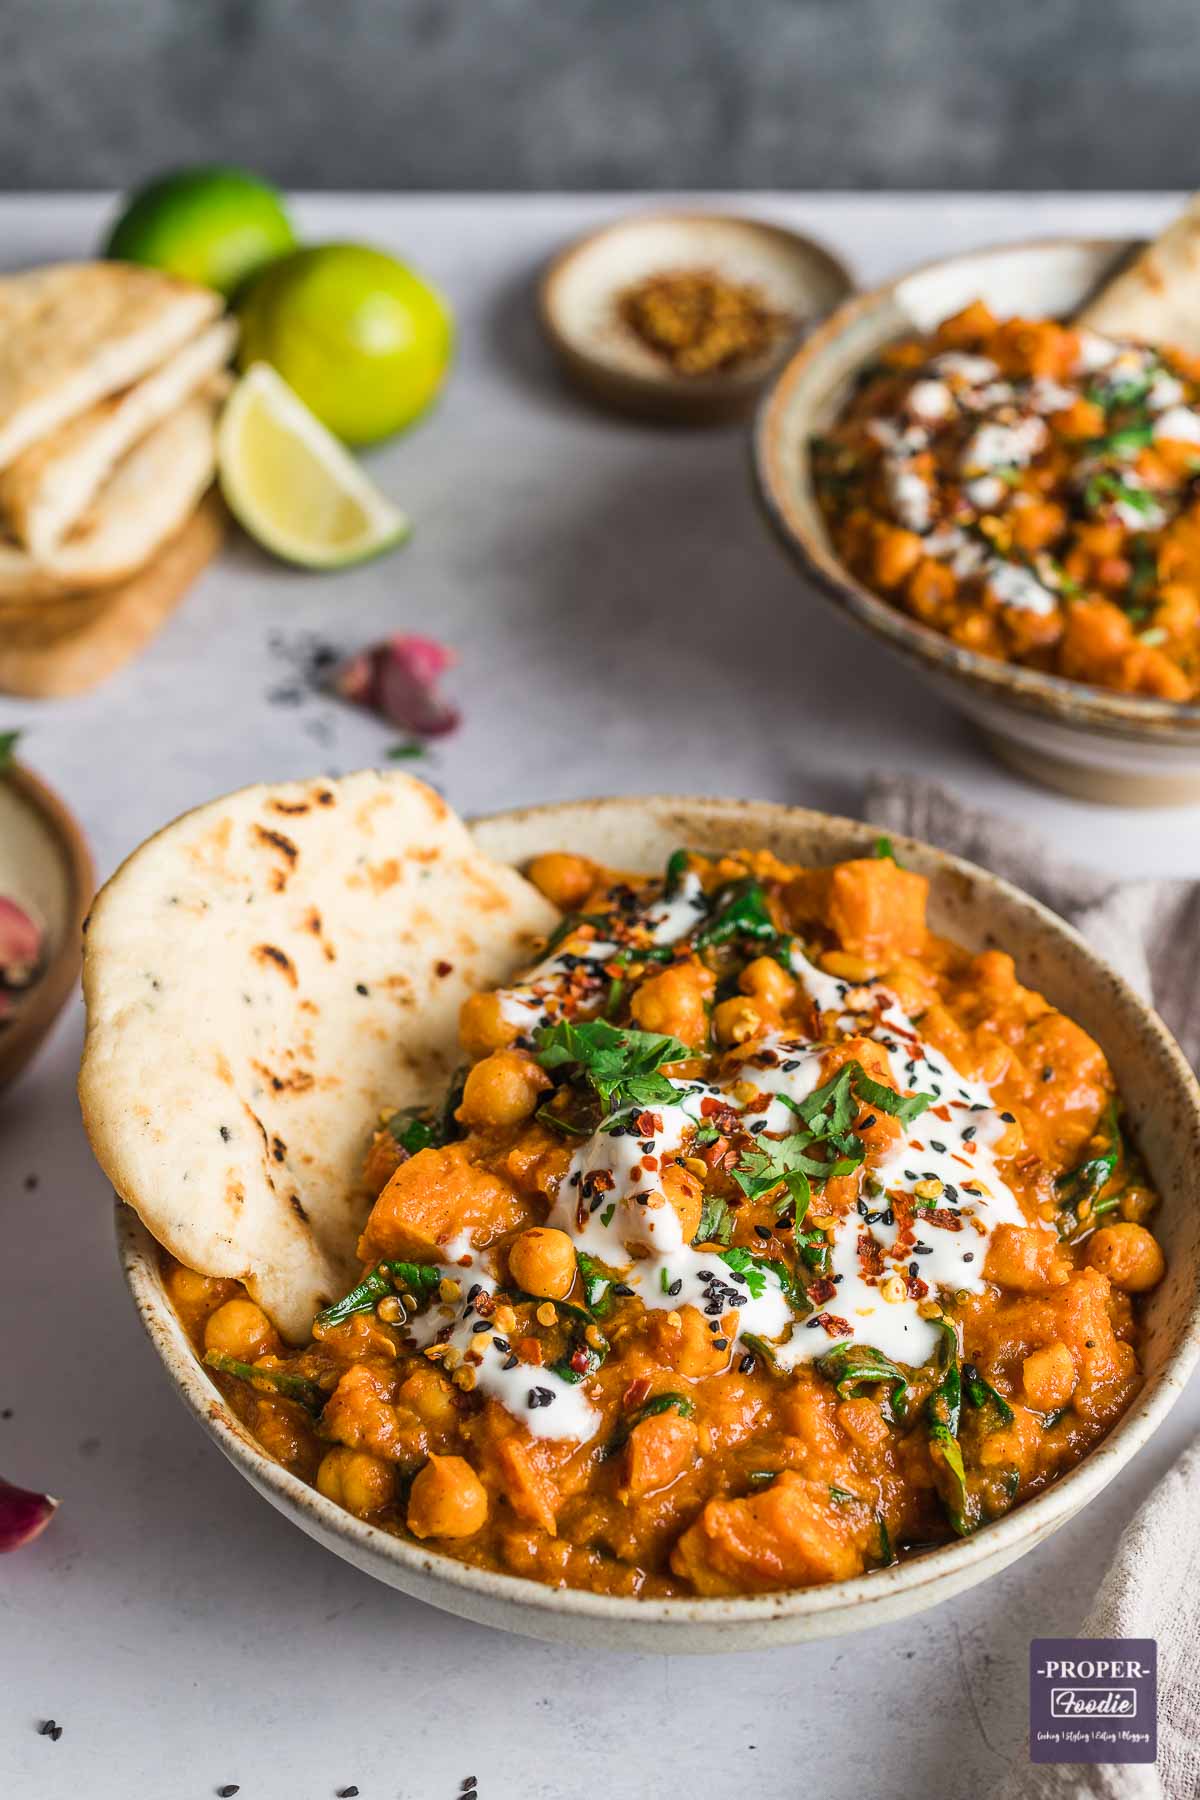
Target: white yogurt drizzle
x=611 y=1203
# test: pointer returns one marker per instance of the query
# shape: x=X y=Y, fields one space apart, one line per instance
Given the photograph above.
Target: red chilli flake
x=399 y=679
x=23 y=1515
x=833 y=1326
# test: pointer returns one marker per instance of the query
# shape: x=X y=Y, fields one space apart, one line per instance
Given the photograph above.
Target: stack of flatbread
x=111 y=377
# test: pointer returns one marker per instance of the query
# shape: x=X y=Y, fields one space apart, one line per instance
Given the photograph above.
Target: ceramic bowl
x=967 y=904
x=578 y=303
x=45 y=866
x=1086 y=741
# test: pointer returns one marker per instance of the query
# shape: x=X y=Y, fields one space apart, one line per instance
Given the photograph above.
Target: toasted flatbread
x=1155 y=299
x=46 y=490
x=74 y=332
x=145 y=502
x=262 y=979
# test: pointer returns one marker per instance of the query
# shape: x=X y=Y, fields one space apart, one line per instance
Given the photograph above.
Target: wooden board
x=55 y=647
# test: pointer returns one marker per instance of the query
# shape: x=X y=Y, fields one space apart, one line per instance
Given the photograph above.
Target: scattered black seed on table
x=31 y=1182
x=47 y=1728
x=350 y=1793
x=6 y=1412
x=230 y=1788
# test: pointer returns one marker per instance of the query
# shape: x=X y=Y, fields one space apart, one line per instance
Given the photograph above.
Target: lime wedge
x=292 y=486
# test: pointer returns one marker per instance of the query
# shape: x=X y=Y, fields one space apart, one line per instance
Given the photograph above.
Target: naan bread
x=1155 y=299
x=262 y=979
x=47 y=489
x=145 y=502
x=74 y=332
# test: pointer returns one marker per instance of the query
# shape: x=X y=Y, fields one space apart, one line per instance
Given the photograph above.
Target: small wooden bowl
x=46 y=866
x=797 y=277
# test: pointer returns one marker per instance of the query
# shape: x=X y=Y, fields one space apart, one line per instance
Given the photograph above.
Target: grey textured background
x=605 y=93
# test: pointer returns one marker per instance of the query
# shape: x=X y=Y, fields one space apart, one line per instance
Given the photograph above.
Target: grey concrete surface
x=604 y=94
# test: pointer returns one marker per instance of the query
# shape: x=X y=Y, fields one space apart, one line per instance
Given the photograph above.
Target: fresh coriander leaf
x=905 y=1107
x=412 y=751
x=412 y=1129
x=596 y=1279
x=743 y=1264
x=884 y=848
x=622 y=1066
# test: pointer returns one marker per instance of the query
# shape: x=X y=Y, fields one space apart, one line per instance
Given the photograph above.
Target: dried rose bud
x=23 y=1516
x=398 y=679
x=20 y=944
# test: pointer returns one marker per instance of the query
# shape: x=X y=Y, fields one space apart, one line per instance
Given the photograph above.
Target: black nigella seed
x=912 y=1268
x=968 y=1133
x=716 y=1324
x=502 y=1345
x=762 y=1231
x=868 y=1122
x=511 y=1362
x=747 y=1364
x=720 y=1343
x=360 y=987
x=46 y=1727
x=539 y=1396
x=811 y=1324
x=480 y=1325
x=889 y=1217
x=469 y=1783
x=230 y=1788
x=350 y=1793
x=619 y=1287
x=789 y=1066
x=226 y=1133
x=1009 y=1118
x=968 y=1256
x=676 y=1287
x=911 y=1175
x=939 y=1147
x=950 y=1191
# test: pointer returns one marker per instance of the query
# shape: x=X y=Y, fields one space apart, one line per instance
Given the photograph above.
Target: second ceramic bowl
x=1087 y=741
x=965 y=903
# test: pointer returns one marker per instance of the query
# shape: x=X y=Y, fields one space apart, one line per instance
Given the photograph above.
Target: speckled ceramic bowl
x=967 y=904
x=45 y=866
x=1086 y=741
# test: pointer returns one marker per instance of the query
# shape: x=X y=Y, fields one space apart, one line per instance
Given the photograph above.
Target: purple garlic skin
x=24 y=1515
x=398 y=679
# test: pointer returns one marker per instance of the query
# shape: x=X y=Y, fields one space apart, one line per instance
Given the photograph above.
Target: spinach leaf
x=852 y=1366
x=884 y=847
x=1086 y=1182
x=677 y=868
x=657 y=1403
x=310 y=1394
x=716 y=1221
x=418 y=1279
x=982 y=1395
x=739 y=910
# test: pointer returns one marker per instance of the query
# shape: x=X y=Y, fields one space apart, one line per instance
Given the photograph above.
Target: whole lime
x=217 y=226
x=362 y=338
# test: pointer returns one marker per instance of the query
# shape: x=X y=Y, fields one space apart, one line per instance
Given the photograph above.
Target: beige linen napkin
x=1150 y=932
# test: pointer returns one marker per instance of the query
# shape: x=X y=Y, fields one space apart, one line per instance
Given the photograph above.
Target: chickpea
x=1025 y=1260
x=764 y=979
x=503 y=1089
x=482 y=1026
x=197 y=1293
x=565 y=880
x=1048 y=1377
x=447 y=1500
x=673 y=1002
x=1137 y=1203
x=360 y=1482
x=1128 y=1255
x=542 y=1262
x=736 y=1020
x=430 y=1396
x=241 y=1330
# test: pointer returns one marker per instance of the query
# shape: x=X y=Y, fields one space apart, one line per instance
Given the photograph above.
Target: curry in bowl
x=764 y=1238
x=1030 y=489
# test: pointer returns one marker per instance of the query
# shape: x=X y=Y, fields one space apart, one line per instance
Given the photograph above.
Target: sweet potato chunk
x=435 y=1197
x=875 y=908
x=526 y=1486
x=792 y=1535
x=659 y=1449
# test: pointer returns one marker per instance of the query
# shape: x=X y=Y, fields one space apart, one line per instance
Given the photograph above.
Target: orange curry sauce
x=1031 y=491
x=768 y=1237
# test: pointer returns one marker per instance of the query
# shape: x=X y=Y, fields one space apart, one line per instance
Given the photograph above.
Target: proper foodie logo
x=1093 y=1700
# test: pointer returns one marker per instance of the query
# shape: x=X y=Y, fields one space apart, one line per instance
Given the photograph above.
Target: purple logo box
x=1093 y=1700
